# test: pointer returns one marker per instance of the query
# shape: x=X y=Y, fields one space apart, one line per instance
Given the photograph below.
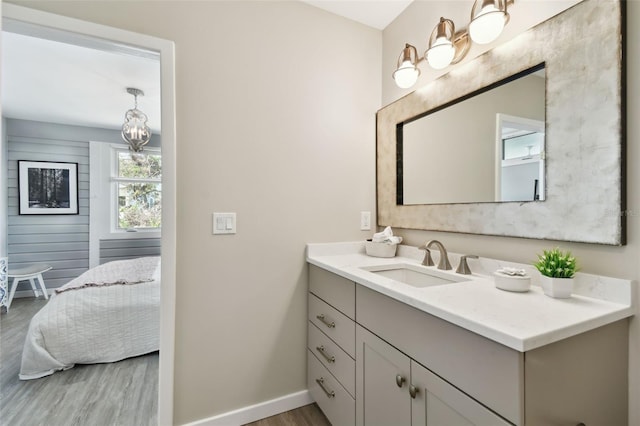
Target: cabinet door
x=382 y=382
x=437 y=403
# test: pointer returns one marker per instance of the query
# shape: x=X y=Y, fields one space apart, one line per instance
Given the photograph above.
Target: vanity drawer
x=337 y=361
x=340 y=328
x=334 y=401
x=337 y=291
x=487 y=371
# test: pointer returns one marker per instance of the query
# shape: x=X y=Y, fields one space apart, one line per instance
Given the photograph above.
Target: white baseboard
x=256 y=412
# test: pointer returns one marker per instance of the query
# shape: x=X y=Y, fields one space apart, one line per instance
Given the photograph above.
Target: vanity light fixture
x=135 y=130
x=446 y=47
x=407 y=71
x=488 y=19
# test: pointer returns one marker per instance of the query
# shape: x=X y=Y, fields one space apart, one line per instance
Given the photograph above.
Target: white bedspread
x=94 y=324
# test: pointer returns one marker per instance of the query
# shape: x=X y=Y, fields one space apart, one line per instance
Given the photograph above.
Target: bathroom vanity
x=385 y=349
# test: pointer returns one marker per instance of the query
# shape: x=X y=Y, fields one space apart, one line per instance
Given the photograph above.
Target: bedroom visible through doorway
x=36 y=130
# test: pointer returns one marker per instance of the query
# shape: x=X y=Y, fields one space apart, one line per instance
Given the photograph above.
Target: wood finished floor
x=122 y=393
x=309 y=415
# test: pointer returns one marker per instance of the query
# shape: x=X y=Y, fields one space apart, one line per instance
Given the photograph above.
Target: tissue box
x=380 y=249
x=512 y=282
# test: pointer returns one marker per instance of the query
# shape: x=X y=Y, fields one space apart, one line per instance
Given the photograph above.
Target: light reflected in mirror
x=487 y=146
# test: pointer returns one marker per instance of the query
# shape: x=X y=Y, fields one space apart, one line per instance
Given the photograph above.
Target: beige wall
x=276 y=107
x=620 y=262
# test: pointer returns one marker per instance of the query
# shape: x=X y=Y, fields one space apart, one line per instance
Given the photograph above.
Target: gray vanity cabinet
x=580 y=379
x=436 y=403
x=486 y=371
x=331 y=345
x=374 y=360
x=393 y=389
x=382 y=382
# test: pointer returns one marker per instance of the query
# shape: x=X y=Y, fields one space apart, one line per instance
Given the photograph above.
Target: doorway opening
x=42 y=25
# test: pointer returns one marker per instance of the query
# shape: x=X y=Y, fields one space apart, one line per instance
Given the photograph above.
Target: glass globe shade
x=487 y=26
x=406 y=75
x=440 y=54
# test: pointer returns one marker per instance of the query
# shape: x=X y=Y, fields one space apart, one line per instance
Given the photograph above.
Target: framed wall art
x=48 y=187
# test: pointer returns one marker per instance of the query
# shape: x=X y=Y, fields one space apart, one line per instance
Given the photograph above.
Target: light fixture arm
x=462 y=44
x=409 y=53
x=445 y=28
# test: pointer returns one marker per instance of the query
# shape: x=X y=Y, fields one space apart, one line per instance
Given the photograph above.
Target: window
x=125 y=195
x=136 y=202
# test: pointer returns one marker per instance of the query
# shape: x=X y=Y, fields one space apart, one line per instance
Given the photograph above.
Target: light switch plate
x=224 y=223
x=365 y=221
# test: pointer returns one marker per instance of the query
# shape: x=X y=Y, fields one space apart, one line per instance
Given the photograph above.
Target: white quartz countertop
x=521 y=321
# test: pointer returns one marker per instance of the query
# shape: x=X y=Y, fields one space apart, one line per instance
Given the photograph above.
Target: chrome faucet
x=443 y=263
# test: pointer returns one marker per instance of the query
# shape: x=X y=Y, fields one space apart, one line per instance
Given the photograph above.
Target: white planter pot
x=560 y=288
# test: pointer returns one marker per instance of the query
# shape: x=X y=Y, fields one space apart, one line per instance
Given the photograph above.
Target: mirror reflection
x=485 y=147
x=520 y=176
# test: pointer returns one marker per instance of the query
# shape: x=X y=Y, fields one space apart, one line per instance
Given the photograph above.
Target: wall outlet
x=365 y=221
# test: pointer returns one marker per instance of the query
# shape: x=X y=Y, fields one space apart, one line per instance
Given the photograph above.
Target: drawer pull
x=330 y=394
x=325 y=322
x=400 y=380
x=324 y=354
x=413 y=391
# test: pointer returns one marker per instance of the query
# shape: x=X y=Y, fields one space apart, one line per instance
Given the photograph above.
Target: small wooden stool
x=31 y=273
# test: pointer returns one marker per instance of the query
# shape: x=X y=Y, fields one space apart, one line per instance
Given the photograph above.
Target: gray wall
x=119 y=249
x=59 y=240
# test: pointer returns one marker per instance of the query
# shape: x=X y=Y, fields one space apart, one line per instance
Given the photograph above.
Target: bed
x=109 y=313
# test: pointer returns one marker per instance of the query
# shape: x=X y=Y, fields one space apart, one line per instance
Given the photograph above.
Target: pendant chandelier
x=135 y=131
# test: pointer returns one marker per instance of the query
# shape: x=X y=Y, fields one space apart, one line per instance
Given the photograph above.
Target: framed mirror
x=578 y=151
x=501 y=149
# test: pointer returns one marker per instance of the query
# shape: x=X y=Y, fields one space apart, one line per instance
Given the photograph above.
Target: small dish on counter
x=519 y=283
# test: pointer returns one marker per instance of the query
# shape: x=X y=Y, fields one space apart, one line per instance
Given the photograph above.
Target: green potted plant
x=558 y=269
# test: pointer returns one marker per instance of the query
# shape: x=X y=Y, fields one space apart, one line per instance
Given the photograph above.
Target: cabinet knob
x=413 y=391
x=400 y=380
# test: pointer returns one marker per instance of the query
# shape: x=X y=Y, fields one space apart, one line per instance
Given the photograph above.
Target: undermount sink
x=414 y=275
